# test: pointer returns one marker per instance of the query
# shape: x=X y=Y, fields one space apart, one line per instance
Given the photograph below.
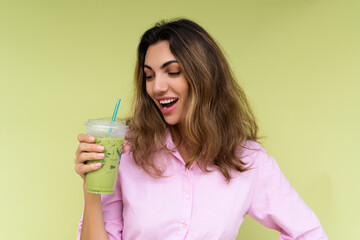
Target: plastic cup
x=109 y=134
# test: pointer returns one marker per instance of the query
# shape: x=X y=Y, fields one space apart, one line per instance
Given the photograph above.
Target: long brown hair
x=218 y=118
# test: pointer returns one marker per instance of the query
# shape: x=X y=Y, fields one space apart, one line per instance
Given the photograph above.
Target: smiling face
x=165 y=82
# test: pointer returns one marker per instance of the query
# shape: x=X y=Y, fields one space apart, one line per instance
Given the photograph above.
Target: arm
x=102 y=216
x=277 y=205
x=93 y=224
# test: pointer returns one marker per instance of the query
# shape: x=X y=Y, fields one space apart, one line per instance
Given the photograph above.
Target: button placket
x=187 y=199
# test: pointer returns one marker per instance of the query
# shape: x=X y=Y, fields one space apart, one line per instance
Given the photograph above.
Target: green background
x=63 y=62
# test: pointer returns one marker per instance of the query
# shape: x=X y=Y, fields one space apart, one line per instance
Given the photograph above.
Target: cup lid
x=104 y=127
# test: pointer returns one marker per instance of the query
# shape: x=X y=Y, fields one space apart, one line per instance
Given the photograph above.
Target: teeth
x=166 y=101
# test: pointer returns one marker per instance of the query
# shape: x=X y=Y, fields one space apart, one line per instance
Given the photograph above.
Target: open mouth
x=168 y=102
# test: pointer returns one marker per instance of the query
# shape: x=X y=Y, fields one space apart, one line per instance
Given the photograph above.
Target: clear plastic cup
x=110 y=135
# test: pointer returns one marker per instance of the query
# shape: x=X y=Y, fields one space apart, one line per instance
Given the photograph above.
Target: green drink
x=103 y=180
x=110 y=135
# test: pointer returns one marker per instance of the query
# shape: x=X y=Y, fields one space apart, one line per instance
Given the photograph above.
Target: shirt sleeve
x=112 y=214
x=278 y=206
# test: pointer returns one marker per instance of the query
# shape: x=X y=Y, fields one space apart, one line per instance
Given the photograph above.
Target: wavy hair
x=218 y=119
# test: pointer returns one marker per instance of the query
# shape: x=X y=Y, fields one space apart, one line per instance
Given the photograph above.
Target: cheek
x=185 y=89
x=148 y=88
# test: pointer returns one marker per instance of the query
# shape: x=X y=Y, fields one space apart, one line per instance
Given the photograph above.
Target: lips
x=167 y=104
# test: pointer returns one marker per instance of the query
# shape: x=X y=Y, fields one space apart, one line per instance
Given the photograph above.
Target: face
x=165 y=82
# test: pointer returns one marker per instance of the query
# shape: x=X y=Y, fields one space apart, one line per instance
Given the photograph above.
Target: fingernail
x=98 y=164
x=101 y=155
x=91 y=139
x=101 y=148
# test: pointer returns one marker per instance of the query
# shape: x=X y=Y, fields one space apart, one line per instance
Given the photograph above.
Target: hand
x=87 y=150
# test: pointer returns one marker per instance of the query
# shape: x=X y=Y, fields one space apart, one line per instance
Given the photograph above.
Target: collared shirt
x=190 y=204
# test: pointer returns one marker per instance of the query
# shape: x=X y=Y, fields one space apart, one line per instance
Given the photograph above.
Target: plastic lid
x=100 y=128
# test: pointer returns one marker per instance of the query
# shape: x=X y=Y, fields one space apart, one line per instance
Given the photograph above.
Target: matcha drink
x=110 y=135
x=103 y=180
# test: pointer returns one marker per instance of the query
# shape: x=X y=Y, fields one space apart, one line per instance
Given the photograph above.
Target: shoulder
x=252 y=153
x=250 y=148
x=253 y=146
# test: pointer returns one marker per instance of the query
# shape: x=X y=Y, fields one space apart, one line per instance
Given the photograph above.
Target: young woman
x=192 y=167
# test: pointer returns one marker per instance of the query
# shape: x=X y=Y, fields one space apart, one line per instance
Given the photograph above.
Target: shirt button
x=185 y=225
x=187 y=196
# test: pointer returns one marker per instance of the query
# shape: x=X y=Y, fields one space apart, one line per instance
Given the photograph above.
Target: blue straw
x=116 y=109
x=115 y=112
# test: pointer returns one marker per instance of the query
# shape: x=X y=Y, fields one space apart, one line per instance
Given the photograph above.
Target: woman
x=192 y=167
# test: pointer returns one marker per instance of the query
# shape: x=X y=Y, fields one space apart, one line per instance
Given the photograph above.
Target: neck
x=177 y=134
x=181 y=141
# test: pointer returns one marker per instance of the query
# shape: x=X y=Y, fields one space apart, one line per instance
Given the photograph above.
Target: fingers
x=90 y=147
x=85 y=156
x=86 y=138
x=82 y=169
x=87 y=150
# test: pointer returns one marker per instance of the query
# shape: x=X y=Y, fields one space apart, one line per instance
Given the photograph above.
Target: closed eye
x=149 y=77
x=174 y=73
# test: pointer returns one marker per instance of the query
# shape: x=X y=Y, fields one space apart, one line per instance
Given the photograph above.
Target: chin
x=171 y=121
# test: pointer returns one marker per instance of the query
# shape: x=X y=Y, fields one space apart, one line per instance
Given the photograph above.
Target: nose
x=160 y=85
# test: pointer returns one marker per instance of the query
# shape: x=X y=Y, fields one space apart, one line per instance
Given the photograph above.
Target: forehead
x=158 y=53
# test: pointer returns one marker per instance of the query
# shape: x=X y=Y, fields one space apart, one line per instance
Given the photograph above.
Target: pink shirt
x=191 y=204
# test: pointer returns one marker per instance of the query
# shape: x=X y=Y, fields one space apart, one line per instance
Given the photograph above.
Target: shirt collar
x=171 y=146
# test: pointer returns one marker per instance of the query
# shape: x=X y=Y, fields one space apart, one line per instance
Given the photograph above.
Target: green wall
x=63 y=62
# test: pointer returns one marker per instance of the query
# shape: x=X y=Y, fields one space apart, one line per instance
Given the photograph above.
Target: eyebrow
x=164 y=65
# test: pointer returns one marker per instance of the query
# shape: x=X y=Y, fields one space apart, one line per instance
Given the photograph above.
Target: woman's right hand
x=87 y=150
